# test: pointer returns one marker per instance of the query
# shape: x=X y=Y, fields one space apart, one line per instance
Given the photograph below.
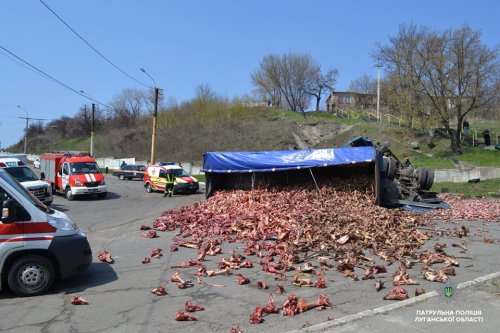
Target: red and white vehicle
x=37 y=244
x=73 y=174
x=155 y=179
x=23 y=174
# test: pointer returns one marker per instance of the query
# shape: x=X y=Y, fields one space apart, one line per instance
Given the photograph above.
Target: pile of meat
x=487 y=210
x=307 y=231
x=338 y=221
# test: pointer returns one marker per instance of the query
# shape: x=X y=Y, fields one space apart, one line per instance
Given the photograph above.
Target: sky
x=186 y=43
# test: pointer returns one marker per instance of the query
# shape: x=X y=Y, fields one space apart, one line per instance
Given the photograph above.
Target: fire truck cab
x=73 y=173
x=37 y=244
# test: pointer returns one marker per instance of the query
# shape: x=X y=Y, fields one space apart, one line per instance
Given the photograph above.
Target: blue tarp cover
x=280 y=160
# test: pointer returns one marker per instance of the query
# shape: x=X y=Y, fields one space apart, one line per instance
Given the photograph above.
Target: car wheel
x=69 y=194
x=149 y=189
x=31 y=275
x=121 y=177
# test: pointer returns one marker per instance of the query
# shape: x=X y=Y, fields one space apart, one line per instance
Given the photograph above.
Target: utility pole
x=153 y=138
x=26 y=135
x=28 y=118
x=378 y=89
x=92 y=131
x=155 y=115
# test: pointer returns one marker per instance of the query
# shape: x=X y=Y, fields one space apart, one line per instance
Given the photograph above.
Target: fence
x=371 y=115
x=111 y=163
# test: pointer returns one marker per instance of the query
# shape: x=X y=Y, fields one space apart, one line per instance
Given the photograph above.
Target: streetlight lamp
x=155 y=115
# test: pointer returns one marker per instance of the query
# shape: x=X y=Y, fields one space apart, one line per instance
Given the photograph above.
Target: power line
x=17 y=62
x=93 y=48
x=47 y=76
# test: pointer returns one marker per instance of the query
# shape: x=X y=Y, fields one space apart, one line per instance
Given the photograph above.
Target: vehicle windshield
x=24 y=192
x=84 y=167
x=180 y=173
x=22 y=174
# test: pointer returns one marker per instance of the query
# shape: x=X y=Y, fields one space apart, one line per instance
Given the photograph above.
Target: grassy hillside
x=185 y=132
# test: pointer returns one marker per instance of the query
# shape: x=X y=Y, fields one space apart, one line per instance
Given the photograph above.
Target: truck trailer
x=396 y=183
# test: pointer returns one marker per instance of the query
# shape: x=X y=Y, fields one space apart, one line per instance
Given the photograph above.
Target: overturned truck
x=396 y=183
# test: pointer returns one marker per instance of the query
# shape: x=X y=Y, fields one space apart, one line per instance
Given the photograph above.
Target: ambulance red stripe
x=26 y=228
x=25 y=239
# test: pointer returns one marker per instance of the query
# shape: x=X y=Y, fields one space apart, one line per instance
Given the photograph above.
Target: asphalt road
x=121 y=301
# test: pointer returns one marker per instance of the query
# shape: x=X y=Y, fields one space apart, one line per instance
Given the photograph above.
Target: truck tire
x=69 y=194
x=149 y=189
x=429 y=180
x=389 y=168
x=121 y=177
x=422 y=178
x=31 y=275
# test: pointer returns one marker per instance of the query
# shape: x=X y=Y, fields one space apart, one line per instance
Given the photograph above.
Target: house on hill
x=353 y=100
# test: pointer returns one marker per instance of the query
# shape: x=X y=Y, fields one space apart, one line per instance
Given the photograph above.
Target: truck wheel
x=389 y=168
x=69 y=194
x=121 y=177
x=31 y=275
x=429 y=180
x=149 y=189
x=422 y=178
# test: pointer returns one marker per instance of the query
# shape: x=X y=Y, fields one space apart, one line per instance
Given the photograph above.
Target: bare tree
x=205 y=94
x=61 y=126
x=129 y=106
x=452 y=70
x=266 y=90
x=364 y=84
x=286 y=78
x=321 y=83
x=86 y=122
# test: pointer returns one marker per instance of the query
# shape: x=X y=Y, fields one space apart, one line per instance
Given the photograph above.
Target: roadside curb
x=390 y=307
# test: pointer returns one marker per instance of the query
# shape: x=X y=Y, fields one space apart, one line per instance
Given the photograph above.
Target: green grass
x=73 y=144
x=421 y=160
x=485 y=188
x=481 y=157
x=201 y=178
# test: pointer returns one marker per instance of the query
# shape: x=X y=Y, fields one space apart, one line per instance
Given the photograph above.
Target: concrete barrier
x=462 y=176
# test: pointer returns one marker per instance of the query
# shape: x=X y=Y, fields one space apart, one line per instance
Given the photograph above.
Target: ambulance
x=73 y=173
x=37 y=244
x=18 y=169
x=155 y=179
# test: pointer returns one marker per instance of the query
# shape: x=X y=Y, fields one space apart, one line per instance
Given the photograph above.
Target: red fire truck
x=73 y=173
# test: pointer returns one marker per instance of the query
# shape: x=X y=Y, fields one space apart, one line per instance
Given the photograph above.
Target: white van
x=40 y=189
x=37 y=244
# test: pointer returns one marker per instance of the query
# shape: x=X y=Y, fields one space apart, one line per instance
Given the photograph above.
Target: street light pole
x=378 y=90
x=92 y=131
x=153 y=138
x=26 y=128
x=155 y=116
x=92 y=125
